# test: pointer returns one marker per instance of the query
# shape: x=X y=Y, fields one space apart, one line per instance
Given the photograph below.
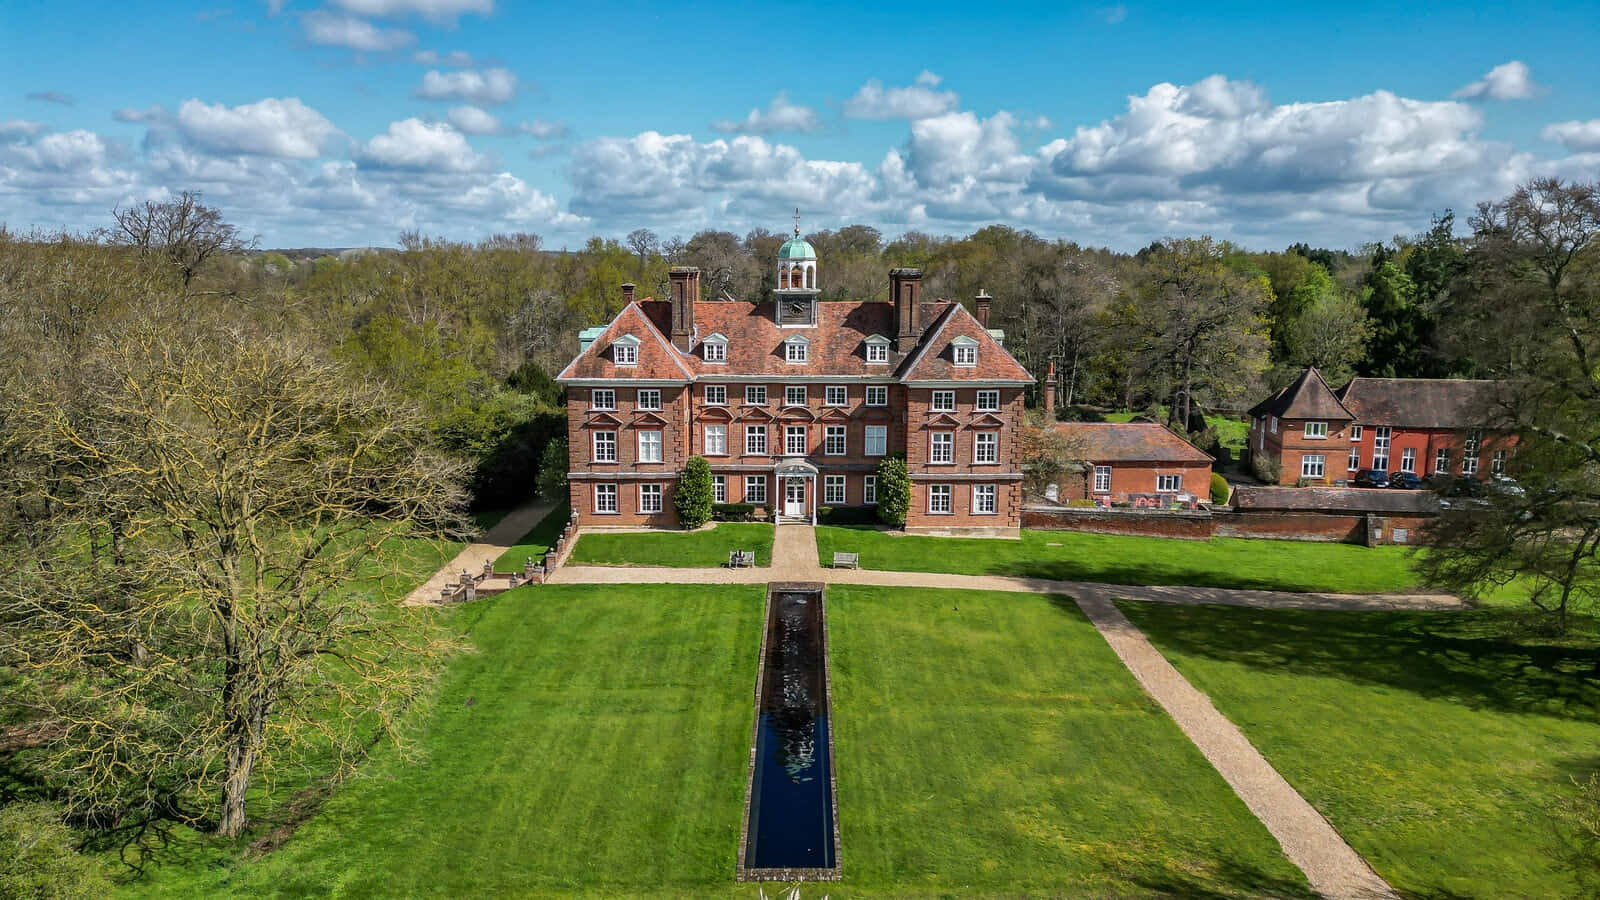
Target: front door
x=794 y=497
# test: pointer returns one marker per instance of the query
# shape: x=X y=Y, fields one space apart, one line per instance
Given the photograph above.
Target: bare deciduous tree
x=183 y=230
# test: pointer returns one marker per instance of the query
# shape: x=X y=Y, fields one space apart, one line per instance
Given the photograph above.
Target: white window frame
x=1355 y=433
x=1408 y=460
x=603 y=398
x=880 y=446
x=988 y=400
x=791 y=391
x=877 y=395
x=648 y=398
x=1382 y=442
x=625 y=353
x=716 y=440
x=1354 y=463
x=869 y=490
x=941 y=447
x=1316 y=431
x=830 y=495
x=651 y=498
x=796 y=352
x=985 y=441
x=1274 y=424
x=836 y=395
x=964 y=352
x=605 y=495
x=985 y=500
x=716 y=395
x=790 y=432
x=755 y=440
x=1319 y=461
x=877 y=352
x=656 y=446
x=719 y=489
x=755 y=489
x=596 y=444
x=1441 y=461
x=942 y=401
x=831 y=434
x=1102 y=479
x=1469 y=453
x=715 y=351
x=1497 y=462
x=755 y=395
x=1169 y=484
x=939 y=495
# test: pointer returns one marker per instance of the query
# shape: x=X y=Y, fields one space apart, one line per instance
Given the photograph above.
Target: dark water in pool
x=791 y=807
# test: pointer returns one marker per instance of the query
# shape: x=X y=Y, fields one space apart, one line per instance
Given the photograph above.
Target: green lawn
x=693 y=549
x=596 y=739
x=992 y=744
x=1118 y=559
x=1435 y=742
x=535 y=542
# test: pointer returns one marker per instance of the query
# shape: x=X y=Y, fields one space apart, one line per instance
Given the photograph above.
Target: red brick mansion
x=795 y=402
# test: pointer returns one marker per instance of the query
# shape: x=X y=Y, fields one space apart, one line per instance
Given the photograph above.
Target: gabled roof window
x=714 y=349
x=965 y=351
x=625 y=350
x=796 y=349
x=877 y=349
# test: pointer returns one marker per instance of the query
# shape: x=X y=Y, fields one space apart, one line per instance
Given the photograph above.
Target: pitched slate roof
x=658 y=359
x=1419 y=402
x=1114 y=442
x=1359 y=500
x=1307 y=397
x=836 y=345
x=934 y=359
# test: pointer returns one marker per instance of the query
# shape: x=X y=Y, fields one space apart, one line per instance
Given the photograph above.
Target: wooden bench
x=741 y=559
x=847 y=560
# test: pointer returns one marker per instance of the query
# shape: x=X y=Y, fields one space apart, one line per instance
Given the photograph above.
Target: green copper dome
x=796 y=248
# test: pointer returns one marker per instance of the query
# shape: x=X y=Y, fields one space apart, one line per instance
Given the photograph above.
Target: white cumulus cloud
x=545 y=131
x=457 y=58
x=442 y=11
x=271 y=127
x=333 y=30
x=918 y=101
x=490 y=87
x=1507 y=81
x=780 y=115
x=472 y=120
x=1579 y=137
x=22 y=127
x=413 y=144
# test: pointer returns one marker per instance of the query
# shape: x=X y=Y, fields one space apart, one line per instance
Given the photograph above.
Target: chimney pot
x=905 y=292
x=627 y=292
x=981 y=307
x=1050 y=393
x=685 y=294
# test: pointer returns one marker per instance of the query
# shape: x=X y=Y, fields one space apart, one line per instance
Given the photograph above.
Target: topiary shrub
x=894 y=491
x=553 y=470
x=693 y=498
x=1266 y=470
x=1219 y=489
x=733 y=512
x=846 y=515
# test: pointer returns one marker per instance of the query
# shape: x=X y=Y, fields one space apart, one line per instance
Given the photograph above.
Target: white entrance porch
x=797 y=479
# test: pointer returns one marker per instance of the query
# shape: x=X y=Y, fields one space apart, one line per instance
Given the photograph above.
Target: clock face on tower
x=797 y=308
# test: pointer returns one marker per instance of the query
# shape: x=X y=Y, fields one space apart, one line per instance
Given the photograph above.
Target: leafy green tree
x=553 y=471
x=1395 y=349
x=694 y=496
x=894 y=491
x=1331 y=333
x=38 y=860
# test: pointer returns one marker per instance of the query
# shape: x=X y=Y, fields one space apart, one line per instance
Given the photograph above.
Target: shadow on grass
x=536 y=542
x=1229 y=878
x=1479 y=658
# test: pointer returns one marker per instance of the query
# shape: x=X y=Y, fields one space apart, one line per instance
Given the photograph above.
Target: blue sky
x=341 y=122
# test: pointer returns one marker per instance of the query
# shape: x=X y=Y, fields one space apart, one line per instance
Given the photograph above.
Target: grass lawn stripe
x=1122 y=559
x=687 y=549
x=538 y=540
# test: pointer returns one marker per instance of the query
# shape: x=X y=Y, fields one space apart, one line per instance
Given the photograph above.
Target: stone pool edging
x=836 y=873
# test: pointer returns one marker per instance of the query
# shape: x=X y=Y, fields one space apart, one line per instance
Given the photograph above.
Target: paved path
x=1332 y=867
x=494 y=542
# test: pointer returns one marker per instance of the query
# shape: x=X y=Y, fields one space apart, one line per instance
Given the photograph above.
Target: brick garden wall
x=1349 y=528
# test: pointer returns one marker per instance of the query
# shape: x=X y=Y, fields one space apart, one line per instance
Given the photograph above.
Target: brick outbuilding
x=1133 y=459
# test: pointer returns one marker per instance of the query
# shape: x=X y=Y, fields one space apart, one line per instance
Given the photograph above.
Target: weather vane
x=797 y=221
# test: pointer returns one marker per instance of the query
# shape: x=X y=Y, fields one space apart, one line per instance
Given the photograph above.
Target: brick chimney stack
x=627 y=292
x=905 y=292
x=980 y=306
x=685 y=294
x=1050 y=393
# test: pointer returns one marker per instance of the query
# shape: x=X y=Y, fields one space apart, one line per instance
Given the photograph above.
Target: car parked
x=1406 y=481
x=1372 y=478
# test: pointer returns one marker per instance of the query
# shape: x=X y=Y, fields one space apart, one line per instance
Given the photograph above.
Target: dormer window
x=715 y=349
x=625 y=350
x=877 y=349
x=796 y=350
x=965 y=351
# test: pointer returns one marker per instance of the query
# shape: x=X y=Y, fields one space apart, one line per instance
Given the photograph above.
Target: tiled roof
x=658 y=359
x=1358 y=500
x=1419 y=402
x=1308 y=397
x=836 y=346
x=1110 y=442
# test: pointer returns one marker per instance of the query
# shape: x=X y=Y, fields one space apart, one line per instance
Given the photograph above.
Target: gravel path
x=497 y=540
